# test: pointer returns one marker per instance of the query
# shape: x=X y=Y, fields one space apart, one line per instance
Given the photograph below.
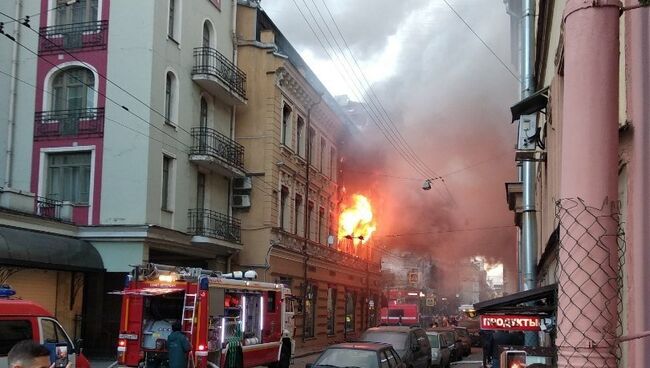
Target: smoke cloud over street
x=415 y=60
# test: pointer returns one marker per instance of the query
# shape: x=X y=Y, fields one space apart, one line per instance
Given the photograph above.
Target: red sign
x=511 y=322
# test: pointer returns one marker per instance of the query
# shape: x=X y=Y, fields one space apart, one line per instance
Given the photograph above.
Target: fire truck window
x=52 y=333
x=13 y=331
x=271 y=302
x=217 y=302
x=253 y=319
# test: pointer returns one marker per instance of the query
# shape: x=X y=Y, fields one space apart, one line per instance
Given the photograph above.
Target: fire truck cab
x=221 y=314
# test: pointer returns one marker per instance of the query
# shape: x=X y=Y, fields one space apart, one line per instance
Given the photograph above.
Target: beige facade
x=289 y=111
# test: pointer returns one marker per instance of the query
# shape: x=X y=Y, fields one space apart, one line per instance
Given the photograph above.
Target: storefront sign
x=510 y=322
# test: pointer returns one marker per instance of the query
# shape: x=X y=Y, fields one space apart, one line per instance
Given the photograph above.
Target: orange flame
x=356 y=220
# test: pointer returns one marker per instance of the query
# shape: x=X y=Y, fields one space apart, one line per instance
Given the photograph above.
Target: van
x=411 y=343
x=25 y=320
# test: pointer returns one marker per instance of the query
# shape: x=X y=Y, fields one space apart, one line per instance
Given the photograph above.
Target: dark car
x=411 y=343
x=359 y=354
x=466 y=340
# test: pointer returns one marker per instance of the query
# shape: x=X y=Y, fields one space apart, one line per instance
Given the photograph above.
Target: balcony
x=69 y=123
x=216 y=152
x=28 y=203
x=84 y=36
x=219 y=76
x=208 y=227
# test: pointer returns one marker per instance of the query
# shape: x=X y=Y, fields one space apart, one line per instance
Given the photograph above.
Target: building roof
x=513 y=302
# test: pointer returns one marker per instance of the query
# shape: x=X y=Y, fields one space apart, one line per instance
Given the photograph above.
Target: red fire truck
x=219 y=313
x=400 y=314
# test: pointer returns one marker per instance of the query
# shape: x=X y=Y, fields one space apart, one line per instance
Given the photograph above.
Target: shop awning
x=29 y=248
x=538 y=300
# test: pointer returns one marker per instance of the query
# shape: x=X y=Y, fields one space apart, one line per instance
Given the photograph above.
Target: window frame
x=69 y=11
x=171 y=19
x=170 y=100
x=285 y=125
x=60 y=82
x=297 y=211
x=312 y=298
x=81 y=169
x=350 y=327
x=332 y=294
x=284 y=197
x=300 y=136
x=168 y=184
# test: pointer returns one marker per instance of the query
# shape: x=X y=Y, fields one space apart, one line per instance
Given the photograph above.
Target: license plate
x=128 y=336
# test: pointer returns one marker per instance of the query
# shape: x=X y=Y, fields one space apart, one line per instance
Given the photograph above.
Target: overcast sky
x=446 y=94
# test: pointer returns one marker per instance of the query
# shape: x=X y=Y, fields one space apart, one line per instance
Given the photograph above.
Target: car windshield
x=434 y=341
x=397 y=339
x=347 y=358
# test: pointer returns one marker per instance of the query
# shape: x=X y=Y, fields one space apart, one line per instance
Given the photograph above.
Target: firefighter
x=178 y=346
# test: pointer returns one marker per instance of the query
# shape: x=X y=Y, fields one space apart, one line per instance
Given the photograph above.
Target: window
x=78 y=12
x=271 y=299
x=310 y=311
x=310 y=211
x=332 y=227
x=72 y=89
x=200 y=190
x=170 y=98
x=333 y=160
x=53 y=333
x=391 y=357
x=206 y=34
x=384 y=360
x=300 y=137
x=167 y=184
x=297 y=215
x=13 y=331
x=172 y=19
x=350 y=300
x=310 y=146
x=286 y=125
x=321 y=224
x=331 y=311
x=322 y=153
x=68 y=177
x=284 y=196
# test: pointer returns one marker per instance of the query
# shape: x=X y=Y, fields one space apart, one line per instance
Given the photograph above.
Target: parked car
x=466 y=340
x=453 y=343
x=25 y=320
x=359 y=354
x=440 y=355
x=411 y=343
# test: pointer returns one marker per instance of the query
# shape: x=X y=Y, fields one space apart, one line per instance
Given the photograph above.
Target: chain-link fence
x=591 y=257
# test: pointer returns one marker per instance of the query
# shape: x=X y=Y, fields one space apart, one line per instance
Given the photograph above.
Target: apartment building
x=592 y=176
x=120 y=122
x=291 y=129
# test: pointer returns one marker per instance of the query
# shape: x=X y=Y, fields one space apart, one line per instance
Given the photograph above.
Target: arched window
x=73 y=89
x=77 y=12
x=170 y=98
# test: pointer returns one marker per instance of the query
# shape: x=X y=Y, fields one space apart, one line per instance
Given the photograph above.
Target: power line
x=482 y=41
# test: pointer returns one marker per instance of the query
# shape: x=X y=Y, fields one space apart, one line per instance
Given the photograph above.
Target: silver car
x=440 y=355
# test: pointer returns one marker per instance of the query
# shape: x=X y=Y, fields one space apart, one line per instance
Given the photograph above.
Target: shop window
x=310 y=312
x=331 y=311
x=350 y=303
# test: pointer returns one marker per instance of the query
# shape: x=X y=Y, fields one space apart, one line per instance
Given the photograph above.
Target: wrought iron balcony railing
x=211 y=62
x=207 y=141
x=48 y=208
x=73 y=36
x=67 y=123
x=213 y=224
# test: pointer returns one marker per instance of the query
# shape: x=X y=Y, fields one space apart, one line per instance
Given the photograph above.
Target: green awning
x=29 y=248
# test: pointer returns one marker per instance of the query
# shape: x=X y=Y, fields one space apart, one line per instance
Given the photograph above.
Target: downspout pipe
x=588 y=253
x=306 y=216
x=638 y=59
x=9 y=154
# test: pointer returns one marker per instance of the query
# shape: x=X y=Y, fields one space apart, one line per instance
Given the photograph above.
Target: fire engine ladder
x=189 y=306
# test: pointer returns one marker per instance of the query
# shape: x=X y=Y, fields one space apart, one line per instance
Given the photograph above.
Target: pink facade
x=90 y=54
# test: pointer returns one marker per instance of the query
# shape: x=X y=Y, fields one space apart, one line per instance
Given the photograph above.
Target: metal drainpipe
x=306 y=216
x=8 y=182
x=233 y=110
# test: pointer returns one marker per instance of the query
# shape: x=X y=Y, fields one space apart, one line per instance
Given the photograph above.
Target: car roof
x=361 y=345
x=400 y=329
x=19 y=307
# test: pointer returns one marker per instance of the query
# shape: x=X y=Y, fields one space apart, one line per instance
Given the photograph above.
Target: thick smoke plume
x=449 y=98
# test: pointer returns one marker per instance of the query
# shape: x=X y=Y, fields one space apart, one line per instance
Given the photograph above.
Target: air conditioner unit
x=241 y=201
x=244 y=183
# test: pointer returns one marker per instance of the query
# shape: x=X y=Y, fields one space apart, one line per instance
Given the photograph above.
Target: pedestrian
x=178 y=346
x=487 y=341
x=500 y=338
x=28 y=354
